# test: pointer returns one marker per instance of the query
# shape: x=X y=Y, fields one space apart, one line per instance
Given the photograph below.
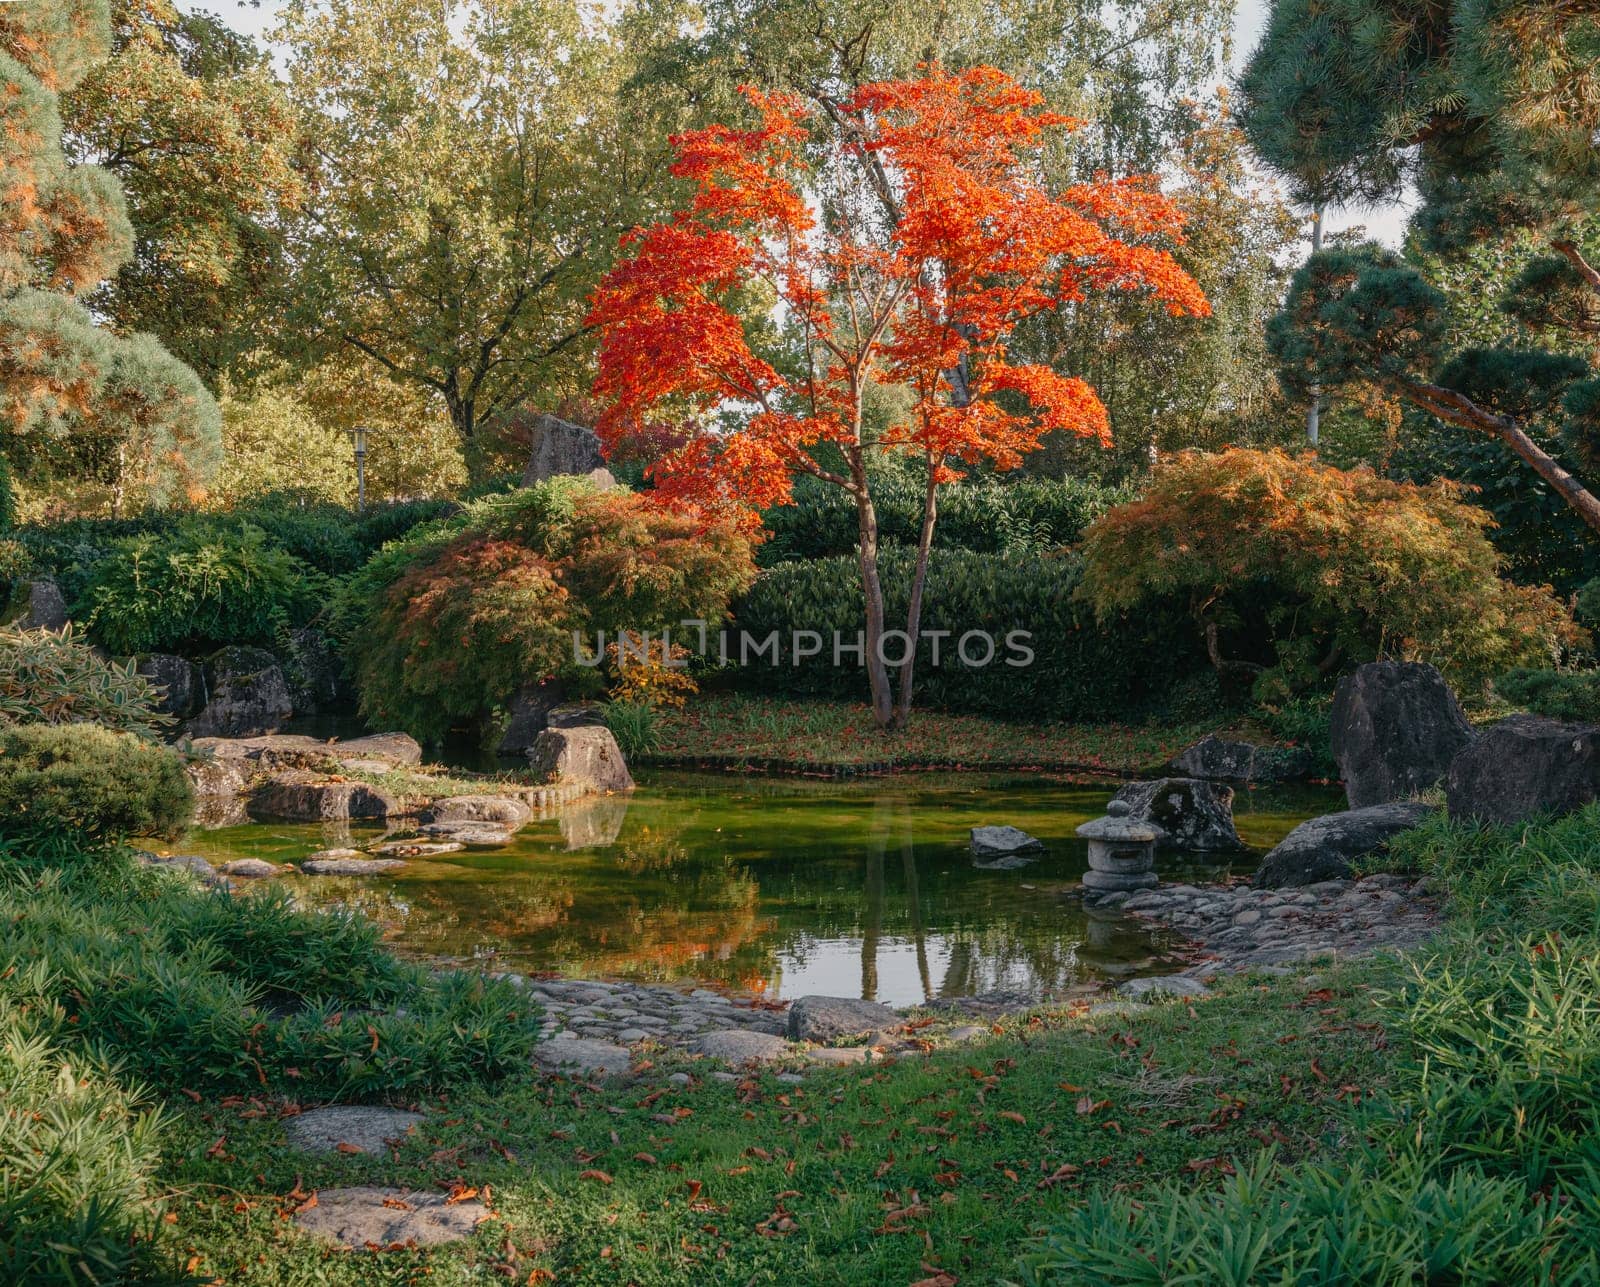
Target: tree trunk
x=1458 y=409
x=1314 y=411
x=877 y=672
x=930 y=516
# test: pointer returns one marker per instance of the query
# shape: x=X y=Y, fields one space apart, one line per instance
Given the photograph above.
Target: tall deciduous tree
x=905 y=253
x=74 y=396
x=188 y=116
x=473 y=166
x=1493 y=110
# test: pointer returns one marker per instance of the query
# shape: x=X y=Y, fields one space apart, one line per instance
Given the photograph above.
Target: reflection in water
x=776 y=886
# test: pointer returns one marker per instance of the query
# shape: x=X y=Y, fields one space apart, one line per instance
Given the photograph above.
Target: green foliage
x=633 y=724
x=1561 y=694
x=78 y=1148
x=90 y=782
x=1080 y=670
x=445 y=626
x=988 y=516
x=224 y=995
x=1306 y=722
x=194 y=590
x=273 y=444
x=8 y=498
x=1323 y=566
x=50 y=677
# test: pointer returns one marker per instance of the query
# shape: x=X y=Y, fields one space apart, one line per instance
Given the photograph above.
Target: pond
x=776 y=886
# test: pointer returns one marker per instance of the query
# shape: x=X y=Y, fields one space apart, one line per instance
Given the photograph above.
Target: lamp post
x=359 y=436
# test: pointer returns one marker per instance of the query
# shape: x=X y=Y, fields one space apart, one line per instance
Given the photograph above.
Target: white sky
x=1386 y=223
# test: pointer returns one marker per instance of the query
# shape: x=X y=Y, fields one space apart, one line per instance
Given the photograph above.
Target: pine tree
x=76 y=399
x=1492 y=109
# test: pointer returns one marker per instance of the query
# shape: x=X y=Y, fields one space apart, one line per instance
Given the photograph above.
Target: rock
x=992 y=841
x=737 y=1046
x=191 y=863
x=47 y=607
x=1323 y=848
x=1223 y=761
x=585 y=756
x=362 y=1128
x=498 y=809
x=251 y=869
x=367 y=1218
x=398 y=748
x=298 y=796
x=557 y=446
x=348 y=862
x=1523 y=766
x=1177 y=985
x=270 y=752
x=177 y=679
x=584 y=1055
x=825 y=1019
x=247 y=695
x=839 y=1056
x=211 y=775
x=967 y=1032
x=1006 y=862
x=312 y=672
x=530 y=716
x=1396 y=727
x=1187 y=813
x=470 y=835
x=417 y=848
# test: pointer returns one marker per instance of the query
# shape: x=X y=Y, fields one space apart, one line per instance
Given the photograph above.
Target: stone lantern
x=1122 y=852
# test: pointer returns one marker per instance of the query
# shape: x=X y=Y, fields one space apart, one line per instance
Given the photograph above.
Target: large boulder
x=1523 y=766
x=299 y=796
x=530 y=716
x=312 y=671
x=833 y=1018
x=992 y=842
x=1187 y=813
x=1220 y=760
x=1323 y=848
x=46 y=607
x=178 y=681
x=371 y=1219
x=1396 y=726
x=586 y=756
x=397 y=748
x=248 y=695
x=558 y=446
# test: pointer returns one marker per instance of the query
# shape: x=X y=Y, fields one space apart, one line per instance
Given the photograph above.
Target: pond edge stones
x=1122 y=852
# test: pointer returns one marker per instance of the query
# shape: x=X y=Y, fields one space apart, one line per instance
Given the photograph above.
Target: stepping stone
x=360 y=866
x=473 y=835
x=988 y=842
x=372 y=1219
x=417 y=848
x=583 y=1054
x=250 y=868
x=839 y=1056
x=826 y=1019
x=967 y=1032
x=181 y=862
x=1171 y=984
x=364 y=1128
x=497 y=809
x=739 y=1046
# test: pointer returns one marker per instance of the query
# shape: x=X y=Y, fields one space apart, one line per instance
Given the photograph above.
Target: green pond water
x=779 y=886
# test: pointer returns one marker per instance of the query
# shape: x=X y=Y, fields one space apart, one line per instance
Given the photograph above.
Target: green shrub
x=444 y=627
x=1560 y=694
x=54 y=678
x=91 y=782
x=1306 y=722
x=1125 y=668
x=194 y=988
x=77 y=1153
x=986 y=516
x=633 y=724
x=196 y=590
x=16 y=561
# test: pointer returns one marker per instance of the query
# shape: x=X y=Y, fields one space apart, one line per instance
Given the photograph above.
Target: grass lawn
x=737 y=729
x=893 y=1173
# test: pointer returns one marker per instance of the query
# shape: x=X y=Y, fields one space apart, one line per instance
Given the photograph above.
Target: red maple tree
x=901 y=246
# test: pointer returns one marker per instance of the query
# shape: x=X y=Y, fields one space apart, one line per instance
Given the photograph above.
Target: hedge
x=985 y=515
x=1141 y=665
